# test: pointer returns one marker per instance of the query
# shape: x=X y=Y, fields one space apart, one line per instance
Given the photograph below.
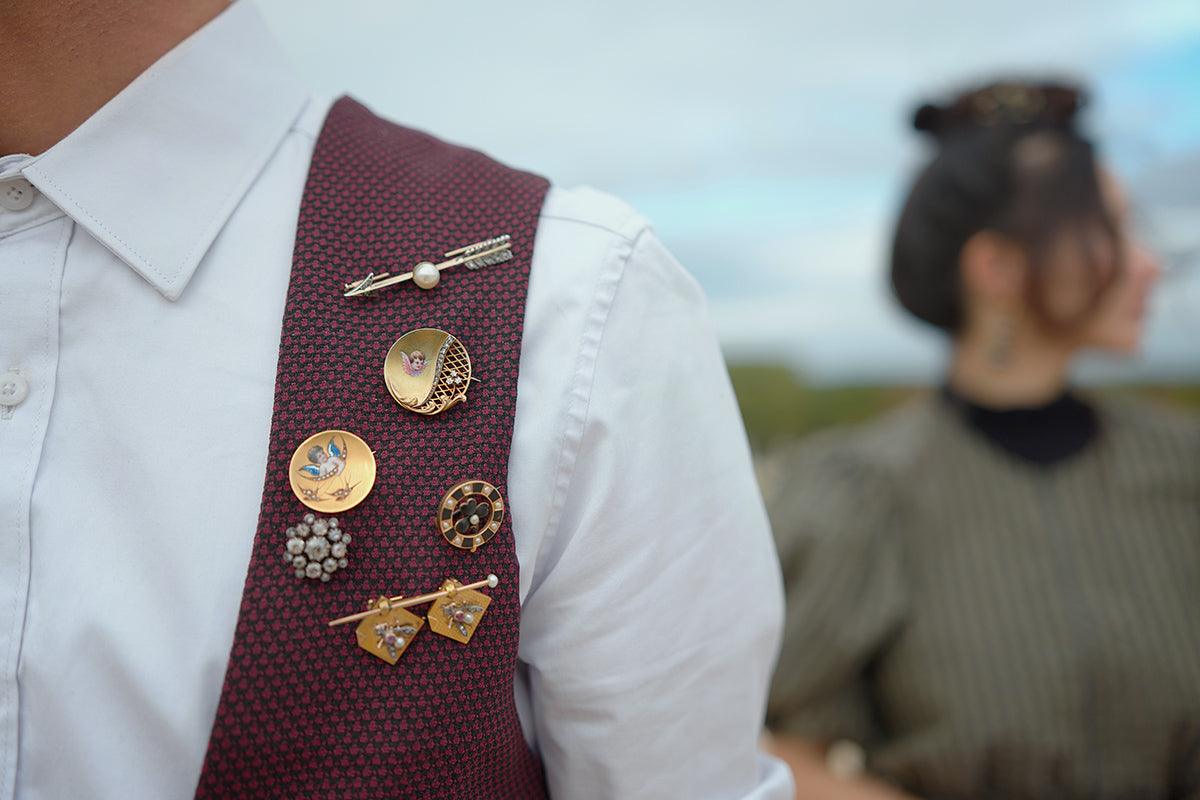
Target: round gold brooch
x=428 y=371
x=332 y=471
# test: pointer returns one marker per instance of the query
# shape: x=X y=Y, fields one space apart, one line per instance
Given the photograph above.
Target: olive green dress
x=989 y=628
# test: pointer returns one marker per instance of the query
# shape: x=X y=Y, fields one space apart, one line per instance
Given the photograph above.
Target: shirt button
x=13 y=389
x=16 y=194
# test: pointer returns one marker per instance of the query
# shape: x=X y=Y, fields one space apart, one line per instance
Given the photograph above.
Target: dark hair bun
x=1009 y=160
x=1002 y=104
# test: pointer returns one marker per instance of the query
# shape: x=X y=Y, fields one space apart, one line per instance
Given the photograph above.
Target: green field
x=777 y=404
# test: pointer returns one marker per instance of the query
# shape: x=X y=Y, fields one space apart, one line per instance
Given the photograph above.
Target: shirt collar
x=156 y=173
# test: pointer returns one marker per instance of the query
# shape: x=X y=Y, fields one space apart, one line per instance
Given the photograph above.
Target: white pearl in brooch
x=426 y=275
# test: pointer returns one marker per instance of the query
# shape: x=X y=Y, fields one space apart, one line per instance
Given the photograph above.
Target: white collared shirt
x=143 y=265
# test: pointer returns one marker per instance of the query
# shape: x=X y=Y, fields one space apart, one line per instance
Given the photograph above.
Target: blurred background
x=769 y=143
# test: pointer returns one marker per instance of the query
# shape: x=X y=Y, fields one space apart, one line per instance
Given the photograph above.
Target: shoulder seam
x=624 y=236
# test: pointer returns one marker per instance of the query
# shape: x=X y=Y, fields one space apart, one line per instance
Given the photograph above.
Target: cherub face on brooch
x=427 y=371
x=316 y=547
x=332 y=471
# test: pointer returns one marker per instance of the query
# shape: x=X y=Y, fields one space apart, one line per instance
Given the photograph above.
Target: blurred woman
x=995 y=592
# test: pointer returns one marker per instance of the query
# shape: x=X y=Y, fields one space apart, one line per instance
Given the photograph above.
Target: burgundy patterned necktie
x=305 y=712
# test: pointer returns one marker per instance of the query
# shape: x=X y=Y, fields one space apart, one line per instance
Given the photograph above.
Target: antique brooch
x=427 y=275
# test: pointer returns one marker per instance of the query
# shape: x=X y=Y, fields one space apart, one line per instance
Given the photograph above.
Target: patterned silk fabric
x=305 y=712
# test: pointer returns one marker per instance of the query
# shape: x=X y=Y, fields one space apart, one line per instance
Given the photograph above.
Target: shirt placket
x=33 y=246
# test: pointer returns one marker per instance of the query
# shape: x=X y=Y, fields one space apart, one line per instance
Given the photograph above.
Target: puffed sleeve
x=830 y=510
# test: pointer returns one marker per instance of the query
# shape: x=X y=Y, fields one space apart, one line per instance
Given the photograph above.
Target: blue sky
x=768 y=141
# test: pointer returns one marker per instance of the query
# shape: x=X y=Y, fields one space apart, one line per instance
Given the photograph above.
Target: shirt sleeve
x=653 y=623
x=845 y=586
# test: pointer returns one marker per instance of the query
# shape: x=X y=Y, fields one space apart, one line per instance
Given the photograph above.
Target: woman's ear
x=994 y=270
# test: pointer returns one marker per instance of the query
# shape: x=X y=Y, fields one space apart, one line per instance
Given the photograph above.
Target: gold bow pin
x=428 y=275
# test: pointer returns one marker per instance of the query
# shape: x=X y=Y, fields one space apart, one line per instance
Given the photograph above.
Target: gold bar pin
x=428 y=275
x=401 y=601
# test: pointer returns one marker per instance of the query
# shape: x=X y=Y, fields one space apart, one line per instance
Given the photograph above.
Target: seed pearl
x=468 y=619
x=474 y=519
x=426 y=275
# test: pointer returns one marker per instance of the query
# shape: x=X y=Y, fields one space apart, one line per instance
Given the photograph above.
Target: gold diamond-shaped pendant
x=459 y=613
x=388 y=634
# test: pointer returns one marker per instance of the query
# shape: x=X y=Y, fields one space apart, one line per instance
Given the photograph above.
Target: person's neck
x=1031 y=373
x=61 y=60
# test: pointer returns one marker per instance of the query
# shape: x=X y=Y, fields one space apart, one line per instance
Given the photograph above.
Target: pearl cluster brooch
x=316 y=547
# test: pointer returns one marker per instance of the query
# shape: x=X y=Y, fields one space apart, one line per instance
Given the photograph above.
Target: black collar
x=1044 y=434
